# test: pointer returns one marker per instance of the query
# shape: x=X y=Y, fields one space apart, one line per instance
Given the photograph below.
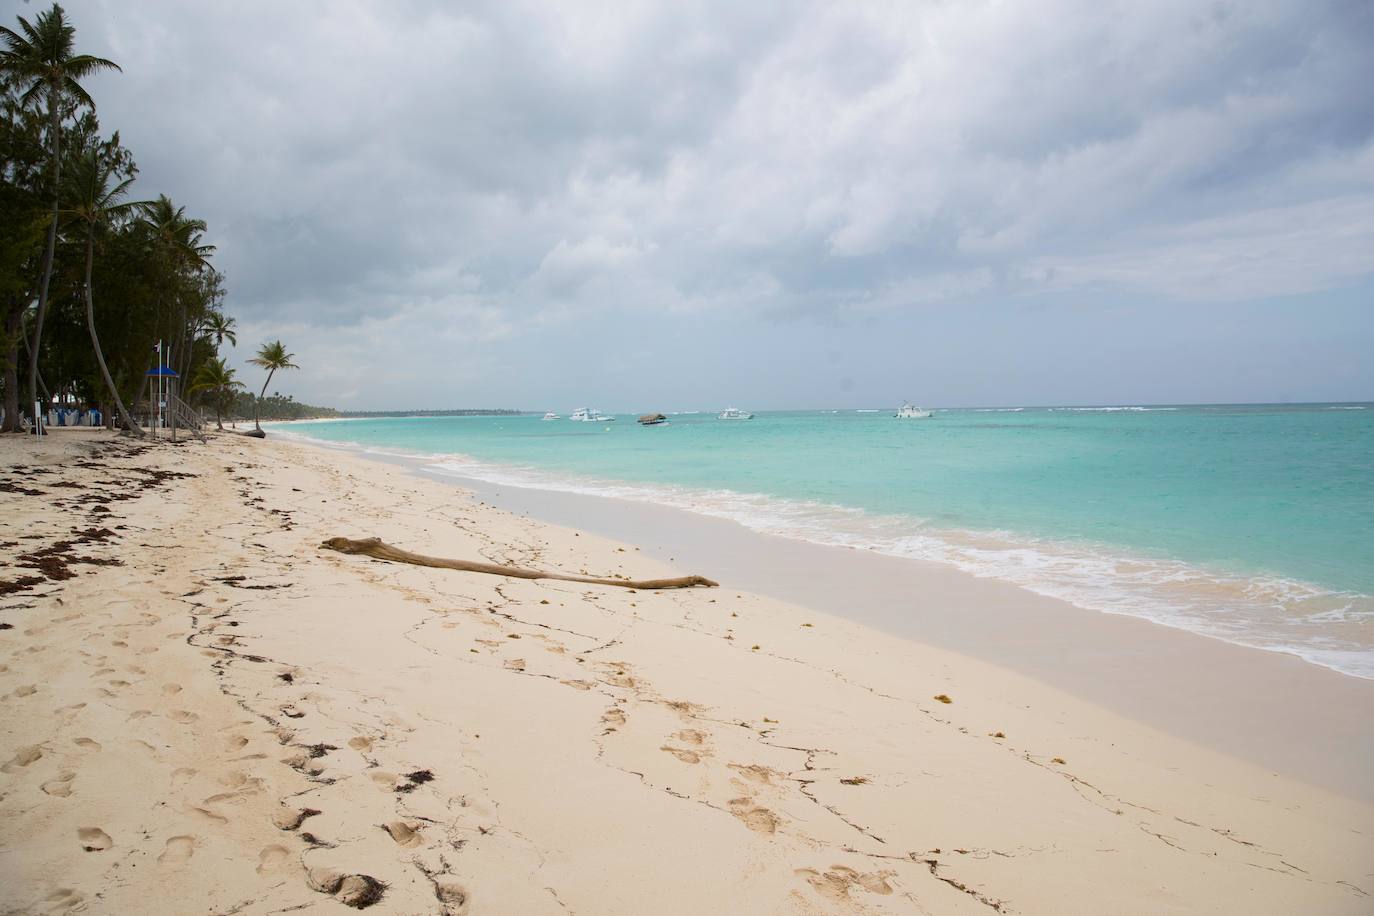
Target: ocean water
x=1252 y=524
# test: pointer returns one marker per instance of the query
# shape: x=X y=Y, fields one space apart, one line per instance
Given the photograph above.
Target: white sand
x=166 y=732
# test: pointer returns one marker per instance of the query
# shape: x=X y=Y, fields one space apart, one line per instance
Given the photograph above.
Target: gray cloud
x=404 y=187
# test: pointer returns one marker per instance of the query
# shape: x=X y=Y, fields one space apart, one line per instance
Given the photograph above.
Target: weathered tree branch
x=375 y=548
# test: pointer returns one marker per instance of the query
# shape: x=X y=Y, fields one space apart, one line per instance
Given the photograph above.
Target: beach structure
x=652 y=419
x=165 y=408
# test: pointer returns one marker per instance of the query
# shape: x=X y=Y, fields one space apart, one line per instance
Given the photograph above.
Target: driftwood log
x=378 y=550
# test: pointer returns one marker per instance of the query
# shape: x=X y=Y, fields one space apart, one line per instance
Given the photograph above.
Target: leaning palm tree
x=42 y=62
x=220 y=327
x=217 y=380
x=271 y=356
x=94 y=202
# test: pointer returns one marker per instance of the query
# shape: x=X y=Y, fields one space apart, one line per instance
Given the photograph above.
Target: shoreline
x=1266 y=610
x=214 y=714
x=1272 y=708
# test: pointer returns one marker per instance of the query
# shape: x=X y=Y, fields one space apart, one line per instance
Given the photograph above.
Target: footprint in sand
x=515 y=664
x=61 y=787
x=759 y=820
x=682 y=754
x=357 y=891
x=384 y=779
x=271 y=859
x=206 y=813
x=93 y=839
x=64 y=898
x=27 y=690
x=292 y=818
x=838 y=880
x=181 y=775
x=86 y=744
x=183 y=716
x=691 y=736
x=404 y=833
x=361 y=743
x=755 y=772
x=613 y=716
x=23 y=756
x=170 y=689
x=177 y=850
x=140 y=714
x=452 y=895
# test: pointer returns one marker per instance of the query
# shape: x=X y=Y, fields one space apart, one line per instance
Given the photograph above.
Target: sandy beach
x=203 y=711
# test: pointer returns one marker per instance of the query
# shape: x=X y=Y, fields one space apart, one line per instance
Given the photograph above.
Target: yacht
x=589 y=415
x=910 y=412
x=551 y=416
x=734 y=413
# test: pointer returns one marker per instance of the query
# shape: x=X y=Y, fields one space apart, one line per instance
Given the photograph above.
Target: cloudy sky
x=674 y=205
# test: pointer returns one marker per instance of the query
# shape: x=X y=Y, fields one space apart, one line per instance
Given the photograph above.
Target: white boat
x=589 y=415
x=734 y=413
x=910 y=412
x=551 y=416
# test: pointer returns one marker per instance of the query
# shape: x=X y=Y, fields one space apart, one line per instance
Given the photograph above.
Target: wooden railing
x=184 y=416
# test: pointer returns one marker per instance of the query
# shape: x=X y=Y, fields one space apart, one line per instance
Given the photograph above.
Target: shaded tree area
x=89 y=274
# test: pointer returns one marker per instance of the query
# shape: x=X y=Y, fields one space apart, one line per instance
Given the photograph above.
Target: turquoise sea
x=1253 y=524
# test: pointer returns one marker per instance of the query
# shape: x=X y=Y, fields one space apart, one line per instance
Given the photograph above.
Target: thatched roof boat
x=652 y=419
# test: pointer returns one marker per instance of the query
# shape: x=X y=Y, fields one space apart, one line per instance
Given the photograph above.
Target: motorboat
x=551 y=416
x=911 y=412
x=734 y=413
x=652 y=419
x=589 y=415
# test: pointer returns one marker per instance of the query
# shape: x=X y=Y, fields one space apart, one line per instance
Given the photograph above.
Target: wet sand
x=1272 y=709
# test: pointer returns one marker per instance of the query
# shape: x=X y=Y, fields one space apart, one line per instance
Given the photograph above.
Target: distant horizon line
x=510 y=411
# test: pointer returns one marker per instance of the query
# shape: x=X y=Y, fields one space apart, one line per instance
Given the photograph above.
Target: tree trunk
x=129 y=423
x=55 y=128
x=257 y=405
x=14 y=325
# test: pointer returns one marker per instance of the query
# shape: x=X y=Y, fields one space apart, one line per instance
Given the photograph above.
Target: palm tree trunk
x=258 y=403
x=14 y=324
x=55 y=128
x=129 y=423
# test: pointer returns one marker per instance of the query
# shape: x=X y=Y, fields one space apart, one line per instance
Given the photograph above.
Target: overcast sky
x=671 y=205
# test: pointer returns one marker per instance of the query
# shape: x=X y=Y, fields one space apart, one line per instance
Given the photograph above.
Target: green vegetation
x=271 y=356
x=90 y=281
x=276 y=407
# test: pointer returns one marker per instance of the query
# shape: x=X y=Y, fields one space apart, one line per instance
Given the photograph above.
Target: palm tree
x=271 y=356
x=93 y=204
x=178 y=237
x=221 y=327
x=218 y=380
x=42 y=61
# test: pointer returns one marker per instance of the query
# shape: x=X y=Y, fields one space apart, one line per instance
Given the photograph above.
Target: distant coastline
x=463 y=412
